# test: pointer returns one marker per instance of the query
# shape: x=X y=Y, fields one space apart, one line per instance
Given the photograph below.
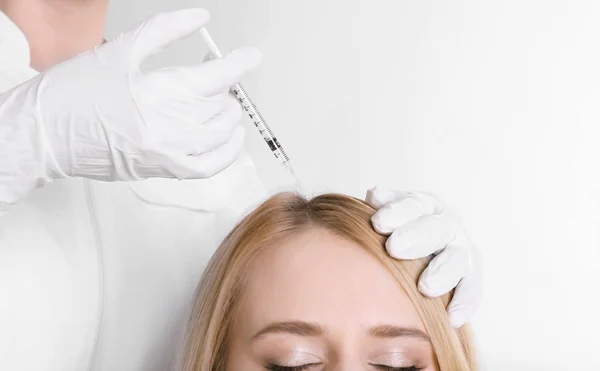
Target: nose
x=350 y=368
x=348 y=363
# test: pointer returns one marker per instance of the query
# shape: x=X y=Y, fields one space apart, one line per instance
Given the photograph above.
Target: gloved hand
x=98 y=116
x=419 y=225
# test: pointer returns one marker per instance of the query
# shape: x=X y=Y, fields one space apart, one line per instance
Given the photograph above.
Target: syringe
x=250 y=108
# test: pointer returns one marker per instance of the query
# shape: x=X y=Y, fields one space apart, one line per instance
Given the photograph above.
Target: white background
x=492 y=105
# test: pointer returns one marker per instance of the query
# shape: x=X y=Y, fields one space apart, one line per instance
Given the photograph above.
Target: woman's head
x=307 y=285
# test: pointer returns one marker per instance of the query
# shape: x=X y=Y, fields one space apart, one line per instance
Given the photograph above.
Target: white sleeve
x=22 y=161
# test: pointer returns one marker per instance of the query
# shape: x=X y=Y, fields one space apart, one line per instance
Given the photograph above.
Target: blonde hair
x=278 y=218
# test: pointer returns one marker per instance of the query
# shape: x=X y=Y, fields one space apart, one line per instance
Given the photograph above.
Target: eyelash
x=308 y=366
x=386 y=368
x=295 y=368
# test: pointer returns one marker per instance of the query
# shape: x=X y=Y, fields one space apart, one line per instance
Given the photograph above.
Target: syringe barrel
x=250 y=107
x=260 y=123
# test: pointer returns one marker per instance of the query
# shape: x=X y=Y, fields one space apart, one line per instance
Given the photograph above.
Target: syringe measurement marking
x=242 y=96
x=262 y=127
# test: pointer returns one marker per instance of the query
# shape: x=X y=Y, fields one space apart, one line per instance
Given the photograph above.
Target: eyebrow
x=293 y=327
x=301 y=328
x=391 y=331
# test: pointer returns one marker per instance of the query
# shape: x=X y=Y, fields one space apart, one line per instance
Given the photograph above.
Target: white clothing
x=99 y=276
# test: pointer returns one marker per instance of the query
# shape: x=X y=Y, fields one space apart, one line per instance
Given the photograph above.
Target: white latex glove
x=98 y=116
x=419 y=225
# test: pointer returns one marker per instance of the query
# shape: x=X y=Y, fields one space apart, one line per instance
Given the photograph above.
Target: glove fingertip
x=466 y=300
x=195 y=16
x=392 y=249
x=402 y=246
x=380 y=196
x=458 y=318
x=189 y=18
x=162 y=29
x=380 y=223
x=427 y=288
x=400 y=249
x=370 y=194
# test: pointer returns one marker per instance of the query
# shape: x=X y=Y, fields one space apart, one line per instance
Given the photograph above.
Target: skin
x=58 y=30
x=320 y=300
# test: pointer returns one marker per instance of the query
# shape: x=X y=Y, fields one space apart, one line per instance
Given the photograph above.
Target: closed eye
x=308 y=366
x=295 y=368
x=388 y=368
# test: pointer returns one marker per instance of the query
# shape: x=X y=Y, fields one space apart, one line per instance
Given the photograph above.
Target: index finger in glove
x=210 y=163
x=161 y=30
x=421 y=237
x=219 y=75
x=380 y=196
x=445 y=271
x=458 y=269
x=400 y=208
x=198 y=138
x=467 y=297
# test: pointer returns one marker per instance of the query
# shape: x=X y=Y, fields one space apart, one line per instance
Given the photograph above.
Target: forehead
x=319 y=277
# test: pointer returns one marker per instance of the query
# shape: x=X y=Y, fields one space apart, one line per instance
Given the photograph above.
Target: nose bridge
x=347 y=349
x=349 y=360
x=349 y=366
